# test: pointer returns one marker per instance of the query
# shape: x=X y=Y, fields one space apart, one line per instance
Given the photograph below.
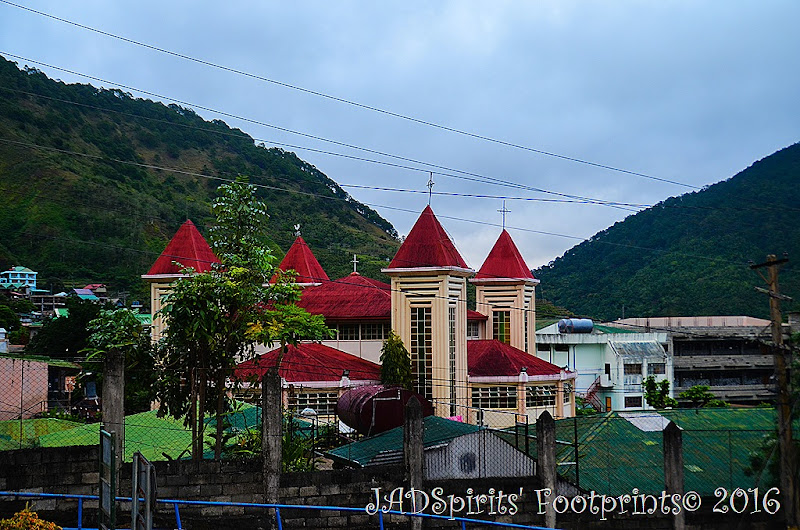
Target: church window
x=421 y=351
x=501 y=321
x=348 y=331
x=452 y=359
x=494 y=397
x=541 y=396
x=323 y=403
x=373 y=331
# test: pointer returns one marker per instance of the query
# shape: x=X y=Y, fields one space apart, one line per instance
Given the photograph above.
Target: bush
x=27 y=520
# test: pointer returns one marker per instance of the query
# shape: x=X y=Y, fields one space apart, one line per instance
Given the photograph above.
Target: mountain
x=689 y=254
x=94 y=182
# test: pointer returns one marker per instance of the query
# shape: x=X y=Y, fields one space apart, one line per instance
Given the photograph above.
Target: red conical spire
x=427 y=245
x=186 y=247
x=504 y=261
x=301 y=260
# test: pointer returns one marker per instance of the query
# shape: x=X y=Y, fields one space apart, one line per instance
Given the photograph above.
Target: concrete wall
x=23 y=388
x=75 y=470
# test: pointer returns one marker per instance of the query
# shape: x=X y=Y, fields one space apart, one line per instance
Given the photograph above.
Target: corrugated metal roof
x=615 y=455
x=494 y=358
x=638 y=350
x=300 y=259
x=384 y=446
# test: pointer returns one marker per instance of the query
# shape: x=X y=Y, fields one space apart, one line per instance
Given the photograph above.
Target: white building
x=610 y=362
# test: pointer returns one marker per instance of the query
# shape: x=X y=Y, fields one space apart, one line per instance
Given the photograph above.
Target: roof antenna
x=504 y=211
x=430 y=188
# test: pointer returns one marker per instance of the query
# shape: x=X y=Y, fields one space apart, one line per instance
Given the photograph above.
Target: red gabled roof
x=489 y=358
x=474 y=315
x=427 y=245
x=353 y=297
x=310 y=362
x=504 y=261
x=188 y=248
x=301 y=260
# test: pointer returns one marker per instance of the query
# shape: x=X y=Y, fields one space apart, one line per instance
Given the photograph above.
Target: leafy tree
x=656 y=393
x=215 y=318
x=701 y=397
x=8 y=318
x=66 y=336
x=120 y=332
x=396 y=363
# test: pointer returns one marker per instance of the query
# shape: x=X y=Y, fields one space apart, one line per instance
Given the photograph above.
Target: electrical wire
x=354 y=103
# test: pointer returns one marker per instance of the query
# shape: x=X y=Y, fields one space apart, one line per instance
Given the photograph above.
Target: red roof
x=353 y=297
x=301 y=260
x=188 y=248
x=474 y=315
x=494 y=358
x=427 y=245
x=310 y=362
x=504 y=261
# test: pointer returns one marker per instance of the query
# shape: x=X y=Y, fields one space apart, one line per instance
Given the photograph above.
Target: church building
x=476 y=365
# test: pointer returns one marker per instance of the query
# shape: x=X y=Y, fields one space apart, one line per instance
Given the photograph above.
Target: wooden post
x=546 y=462
x=788 y=460
x=113 y=407
x=413 y=450
x=271 y=433
x=673 y=467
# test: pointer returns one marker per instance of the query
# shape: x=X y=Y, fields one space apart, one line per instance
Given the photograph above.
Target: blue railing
x=176 y=503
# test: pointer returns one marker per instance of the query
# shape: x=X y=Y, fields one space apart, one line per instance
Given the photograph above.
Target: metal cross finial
x=430 y=188
x=355 y=263
x=504 y=211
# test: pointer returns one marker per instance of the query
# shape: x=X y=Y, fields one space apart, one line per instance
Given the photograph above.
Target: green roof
x=543 y=323
x=40 y=359
x=144 y=432
x=612 y=329
x=616 y=456
x=436 y=431
x=12 y=438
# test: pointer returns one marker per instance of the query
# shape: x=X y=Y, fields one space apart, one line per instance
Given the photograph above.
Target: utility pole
x=788 y=484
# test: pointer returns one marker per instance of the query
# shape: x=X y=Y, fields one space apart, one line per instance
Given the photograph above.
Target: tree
x=396 y=363
x=119 y=332
x=656 y=393
x=701 y=397
x=215 y=318
x=67 y=335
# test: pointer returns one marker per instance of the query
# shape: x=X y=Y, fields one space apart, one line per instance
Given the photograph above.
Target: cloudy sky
x=677 y=94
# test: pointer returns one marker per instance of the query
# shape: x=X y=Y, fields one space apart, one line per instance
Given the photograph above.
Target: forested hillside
x=689 y=255
x=94 y=182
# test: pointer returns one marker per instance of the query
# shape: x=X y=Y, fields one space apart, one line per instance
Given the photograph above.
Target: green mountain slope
x=85 y=196
x=688 y=255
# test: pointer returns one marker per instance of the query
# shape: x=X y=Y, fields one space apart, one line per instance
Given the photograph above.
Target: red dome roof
x=188 y=248
x=427 y=245
x=494 y=358
x=504 y=261
x=310 y=362
x=353 y=297
x=301 y=260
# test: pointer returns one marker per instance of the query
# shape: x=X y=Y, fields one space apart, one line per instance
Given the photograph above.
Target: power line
x=354 y=103
x=275 y=188
x=460 y=174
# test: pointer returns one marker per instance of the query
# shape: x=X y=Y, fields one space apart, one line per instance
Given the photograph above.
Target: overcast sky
x=685 y=91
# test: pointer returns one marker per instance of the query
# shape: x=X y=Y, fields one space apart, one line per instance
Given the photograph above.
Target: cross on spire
x=504 y=211
x=355 y=263
x=430 y=188
x=297 y=230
